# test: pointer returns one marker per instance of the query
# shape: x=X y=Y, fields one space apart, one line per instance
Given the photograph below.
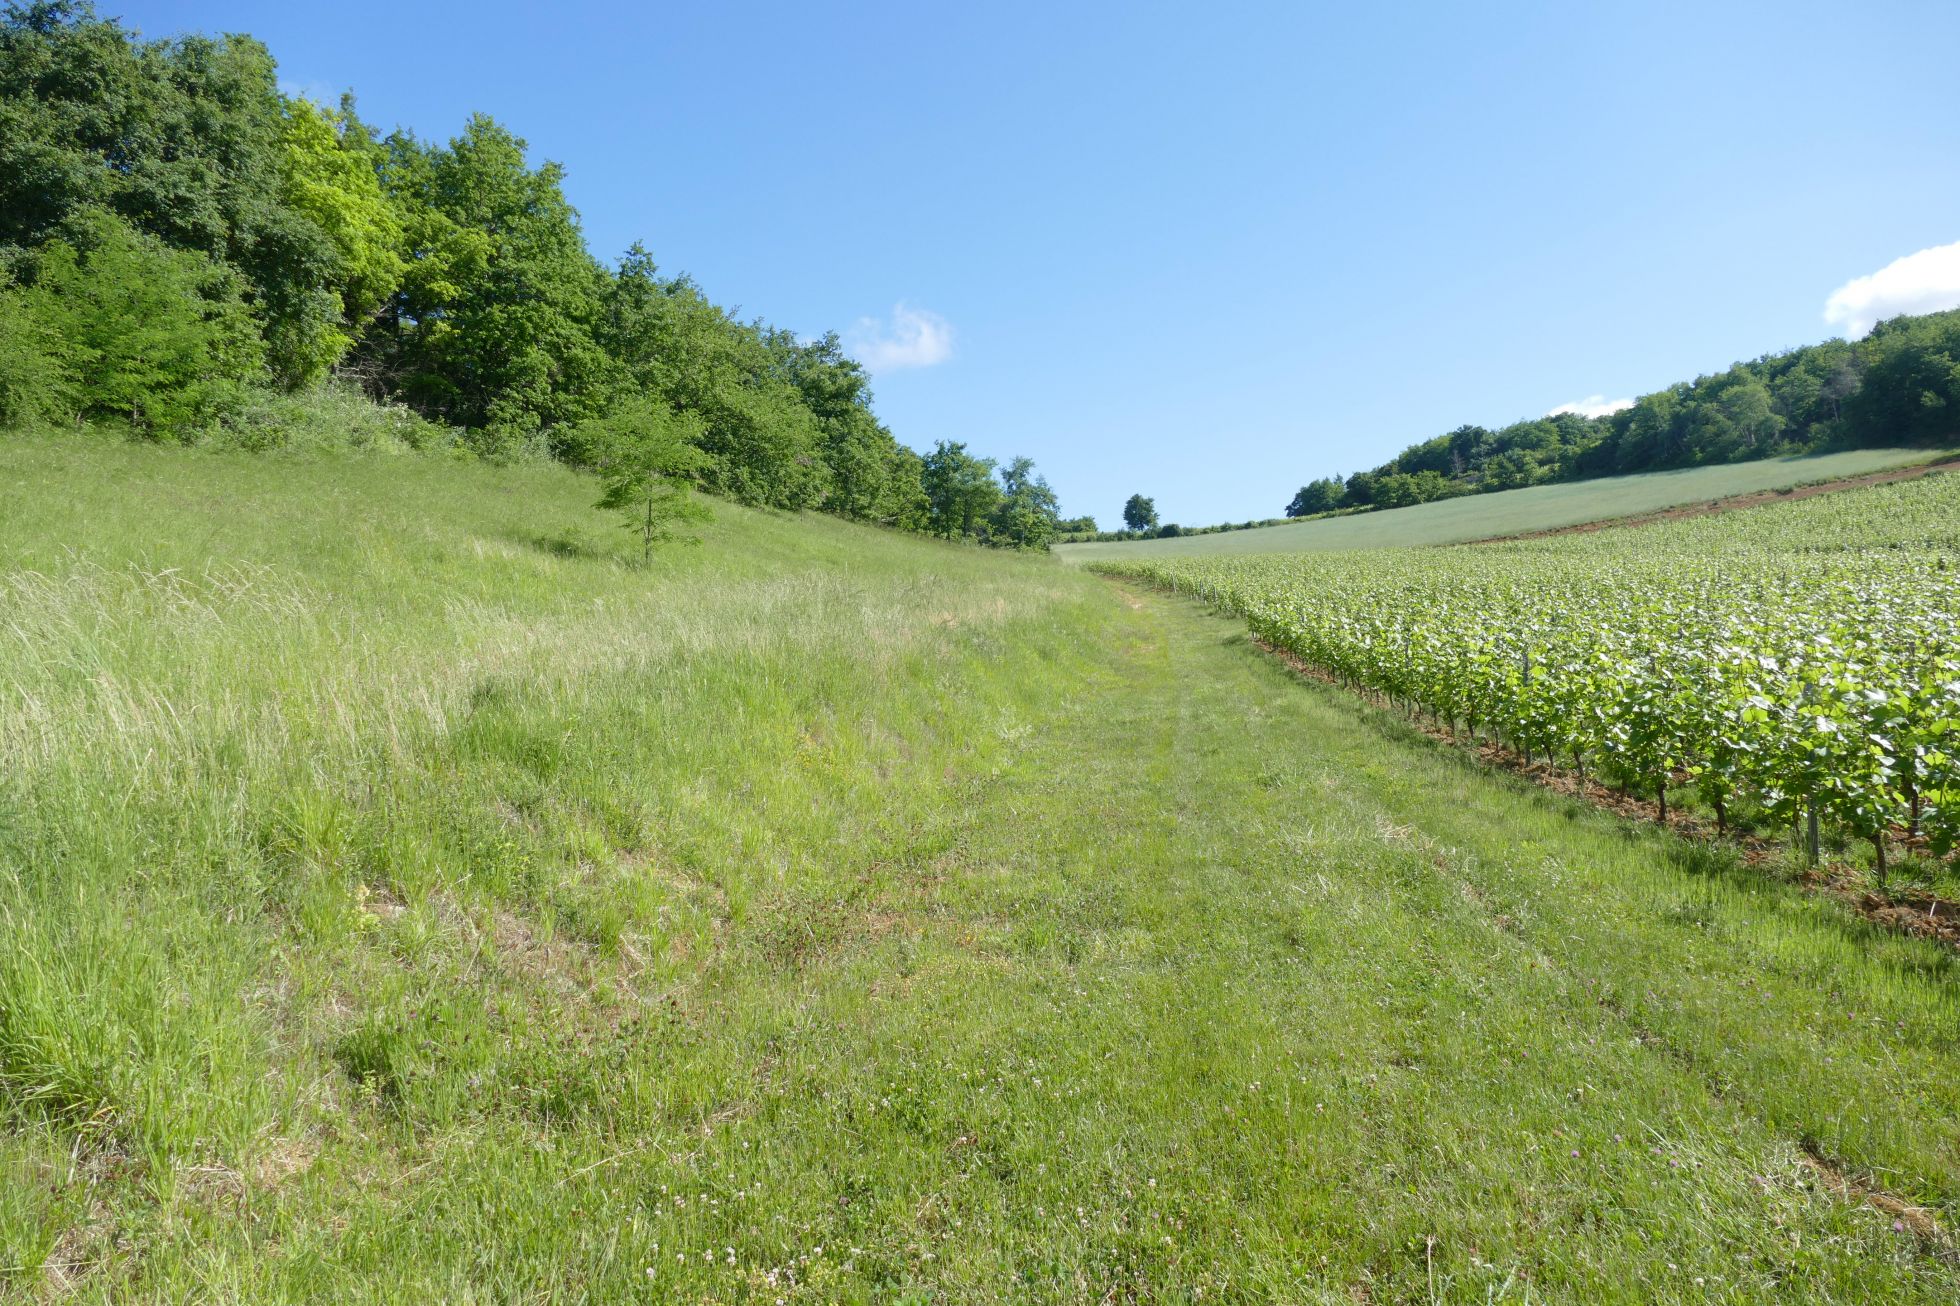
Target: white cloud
x=1918 y=283
x=915 y=337
x=1593 y=406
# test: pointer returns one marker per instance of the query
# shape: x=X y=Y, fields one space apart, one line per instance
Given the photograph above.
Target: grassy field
x=404 y=897
x=1511 y=512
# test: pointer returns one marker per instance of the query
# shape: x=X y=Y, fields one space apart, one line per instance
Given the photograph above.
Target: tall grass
x=243 y=701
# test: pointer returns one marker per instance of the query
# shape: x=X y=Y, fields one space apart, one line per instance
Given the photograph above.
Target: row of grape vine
x=1801 y=660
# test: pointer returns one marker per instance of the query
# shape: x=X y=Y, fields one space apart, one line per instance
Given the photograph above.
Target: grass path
x=1545 y=1045
x=828 y=917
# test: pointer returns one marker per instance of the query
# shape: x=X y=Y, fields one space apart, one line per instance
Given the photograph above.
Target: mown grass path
x=1415 y=1028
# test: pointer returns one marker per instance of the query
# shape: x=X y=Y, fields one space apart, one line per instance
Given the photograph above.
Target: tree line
x=179 y=240
x=1140 y=522
x=1898 y=385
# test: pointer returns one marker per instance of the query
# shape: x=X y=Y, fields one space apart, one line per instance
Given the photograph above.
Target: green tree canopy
x=646 y=455
x=1322 y=495
x=502 y=338
x=1911 y=383
x=156 y=337
x=1028 y=512
x=329 y=175
x=37 y=382
x=183 y=139
x=960 y=490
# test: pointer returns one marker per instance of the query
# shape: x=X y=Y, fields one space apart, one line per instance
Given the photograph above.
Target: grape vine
x=1801 y=658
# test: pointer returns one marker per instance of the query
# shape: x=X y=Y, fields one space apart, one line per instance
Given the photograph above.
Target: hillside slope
x=406 y=898
x=1514 y=512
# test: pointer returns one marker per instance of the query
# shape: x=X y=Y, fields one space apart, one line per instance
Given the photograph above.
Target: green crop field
x=406 y=896
x=1515 y=512
x=1791 y=661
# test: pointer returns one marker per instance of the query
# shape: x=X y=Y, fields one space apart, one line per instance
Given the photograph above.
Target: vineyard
x=1793 y=666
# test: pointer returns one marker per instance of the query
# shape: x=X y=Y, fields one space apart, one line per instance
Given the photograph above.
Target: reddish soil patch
x=1734 y=502
x=1914 y=913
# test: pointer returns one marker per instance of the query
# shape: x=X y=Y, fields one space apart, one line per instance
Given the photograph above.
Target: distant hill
x=1516 y=512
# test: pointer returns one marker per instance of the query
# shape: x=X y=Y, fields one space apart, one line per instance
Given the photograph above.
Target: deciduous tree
x=960 y=490
x=645 y=454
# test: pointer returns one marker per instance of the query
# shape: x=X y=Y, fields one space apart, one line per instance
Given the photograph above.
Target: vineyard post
x=1811 y=841
x=1527 y=698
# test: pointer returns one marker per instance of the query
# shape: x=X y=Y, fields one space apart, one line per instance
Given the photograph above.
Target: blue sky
x=1208 y=252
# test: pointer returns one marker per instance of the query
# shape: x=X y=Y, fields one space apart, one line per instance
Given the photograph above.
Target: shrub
x=35 y=383
x=158 y=337
x=332 y=416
